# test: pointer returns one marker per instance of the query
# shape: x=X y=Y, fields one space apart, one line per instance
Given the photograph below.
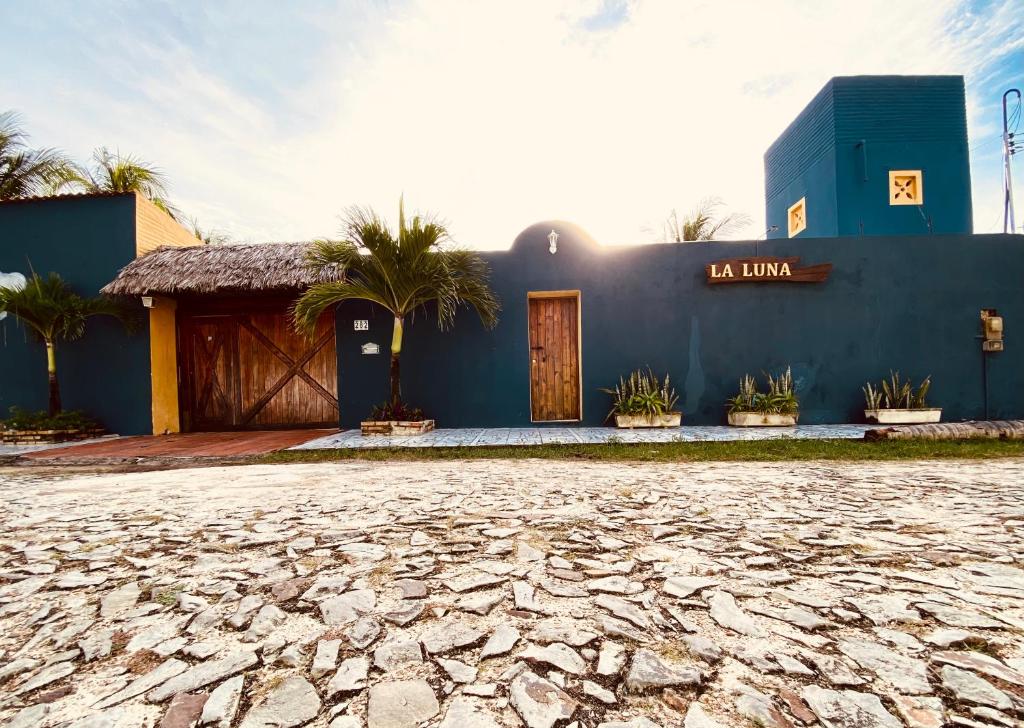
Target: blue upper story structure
x=873 y=155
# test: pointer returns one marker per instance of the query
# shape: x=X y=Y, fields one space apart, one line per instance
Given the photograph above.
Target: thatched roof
x=205 y=269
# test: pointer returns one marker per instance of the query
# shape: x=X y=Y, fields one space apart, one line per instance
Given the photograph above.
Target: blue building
x=869 y=192
x=873 y=155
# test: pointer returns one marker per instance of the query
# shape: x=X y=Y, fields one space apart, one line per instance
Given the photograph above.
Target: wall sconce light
x=552 y=242
x=147 y=302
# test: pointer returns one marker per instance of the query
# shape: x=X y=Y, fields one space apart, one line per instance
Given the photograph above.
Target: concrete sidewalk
x=482 y=437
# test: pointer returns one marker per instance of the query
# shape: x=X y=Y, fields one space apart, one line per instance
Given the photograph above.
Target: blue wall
x=801 y=163
x=106 y=373
x=838 y=152
x=904 y=302
x=907 y=303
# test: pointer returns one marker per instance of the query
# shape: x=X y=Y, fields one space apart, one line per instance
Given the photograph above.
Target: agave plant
x=746 y=399
x=642 y=393
x=873 y=396
x=780 y=399
x=897 y=393
x=918 y=400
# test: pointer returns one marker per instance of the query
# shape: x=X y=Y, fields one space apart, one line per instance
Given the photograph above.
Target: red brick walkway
x=193 y=444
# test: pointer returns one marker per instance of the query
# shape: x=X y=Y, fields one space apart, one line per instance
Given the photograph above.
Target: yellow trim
x=899 y=182
x=796 y=217
x=579 y=343
x=163 y=361
x=552 y=294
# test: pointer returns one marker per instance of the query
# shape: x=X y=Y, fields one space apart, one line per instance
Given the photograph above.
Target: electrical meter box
x=992 y=330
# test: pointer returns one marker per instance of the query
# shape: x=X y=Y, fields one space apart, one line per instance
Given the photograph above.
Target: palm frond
x=311 y=305
x=207 y=236
x=405 y=272
x=116 y=172
x=24 y=171
x=702 y=223
x=54 y=311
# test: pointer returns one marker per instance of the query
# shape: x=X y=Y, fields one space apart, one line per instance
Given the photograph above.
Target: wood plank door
x=554 y=356
x=209 y=354
x=250 y=370
x=287 y=380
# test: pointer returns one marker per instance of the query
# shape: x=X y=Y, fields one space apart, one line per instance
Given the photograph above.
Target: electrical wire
x=1015 y=116
x=984 y=142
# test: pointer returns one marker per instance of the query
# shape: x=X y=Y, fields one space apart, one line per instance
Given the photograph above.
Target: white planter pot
x=670 y=419
x=756 y=419
x=903 y=416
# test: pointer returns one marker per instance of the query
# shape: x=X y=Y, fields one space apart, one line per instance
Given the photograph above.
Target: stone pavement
x=480 y=437
x=477 y=594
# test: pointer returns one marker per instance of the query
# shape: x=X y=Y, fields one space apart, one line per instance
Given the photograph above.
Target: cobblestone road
x=507 y=593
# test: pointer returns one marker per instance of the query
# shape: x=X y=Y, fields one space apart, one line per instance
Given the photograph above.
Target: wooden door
x=554 y=356
x=210 y=358
x=250 y=370
x=287 y=379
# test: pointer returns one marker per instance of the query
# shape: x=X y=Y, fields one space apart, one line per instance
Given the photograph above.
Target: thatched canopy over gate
x=218 y=269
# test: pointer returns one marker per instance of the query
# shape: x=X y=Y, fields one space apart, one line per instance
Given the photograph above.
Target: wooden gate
x=252 y=371
x=554 y=356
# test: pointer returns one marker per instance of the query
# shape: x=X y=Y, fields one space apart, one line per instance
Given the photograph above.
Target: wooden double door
x=243 y=367
x=554 y=320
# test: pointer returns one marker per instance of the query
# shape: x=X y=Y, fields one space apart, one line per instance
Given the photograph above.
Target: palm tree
x=25 y=172
x=116 y=172
x=55 y=312
x=208 y=236
x=402 y=273
x=702 y=223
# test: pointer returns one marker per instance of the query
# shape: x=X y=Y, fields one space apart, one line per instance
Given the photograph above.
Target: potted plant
x=896 y=402
x=778 y=407
x=403 y=271
x=389 y=419
x=642 y=400
x=29 y=428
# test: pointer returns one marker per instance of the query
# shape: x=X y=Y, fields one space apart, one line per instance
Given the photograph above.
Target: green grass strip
x=764 y=451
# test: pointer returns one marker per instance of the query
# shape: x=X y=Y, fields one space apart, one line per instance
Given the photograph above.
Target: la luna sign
x=765 y=270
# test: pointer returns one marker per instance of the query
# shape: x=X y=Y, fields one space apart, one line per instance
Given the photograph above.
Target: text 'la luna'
x=752 y=270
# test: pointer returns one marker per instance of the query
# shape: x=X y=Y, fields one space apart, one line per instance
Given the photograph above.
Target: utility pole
x=1009 y=149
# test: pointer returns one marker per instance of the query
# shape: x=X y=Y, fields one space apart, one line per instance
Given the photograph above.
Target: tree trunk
x=51 y=369
x=396 y=351
x=992 y=429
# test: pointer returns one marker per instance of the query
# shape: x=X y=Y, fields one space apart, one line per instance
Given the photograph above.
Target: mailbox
x=992 y=330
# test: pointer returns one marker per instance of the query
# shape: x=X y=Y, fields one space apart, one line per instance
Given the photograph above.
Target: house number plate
x=360 y=325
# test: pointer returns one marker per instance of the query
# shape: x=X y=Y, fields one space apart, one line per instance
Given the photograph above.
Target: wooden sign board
x=765 y=270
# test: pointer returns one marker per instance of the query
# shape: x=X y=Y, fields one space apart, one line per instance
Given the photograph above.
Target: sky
x=271 y=118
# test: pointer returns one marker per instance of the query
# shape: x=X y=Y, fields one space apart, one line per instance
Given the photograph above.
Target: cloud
x=495 y=115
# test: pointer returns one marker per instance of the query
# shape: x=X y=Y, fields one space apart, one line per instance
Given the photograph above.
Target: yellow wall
x=163 y=359
x=154 y=227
